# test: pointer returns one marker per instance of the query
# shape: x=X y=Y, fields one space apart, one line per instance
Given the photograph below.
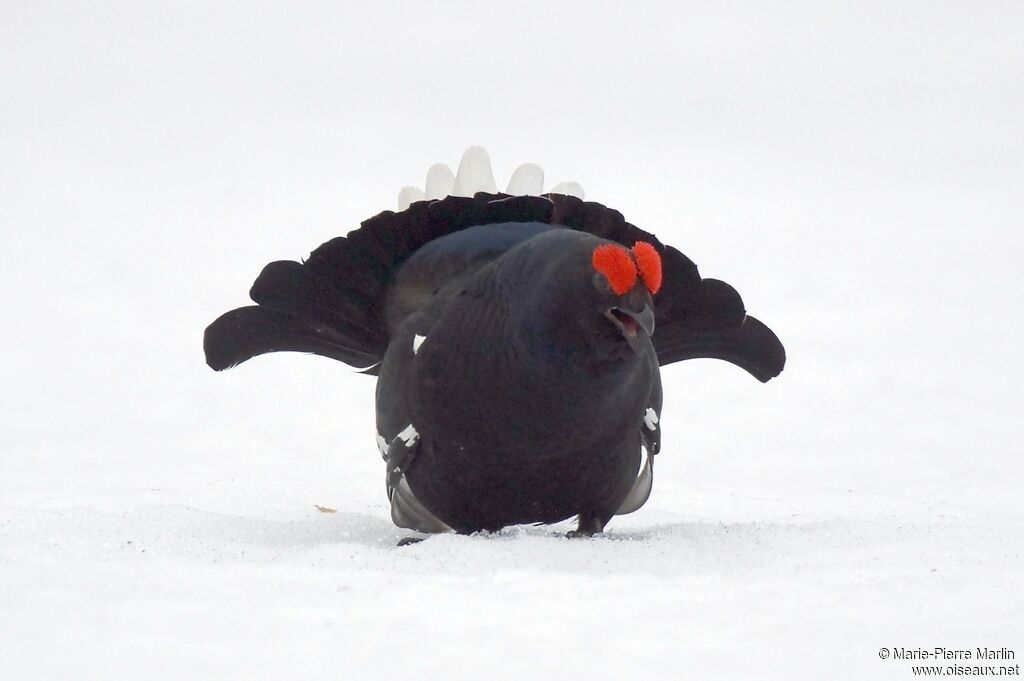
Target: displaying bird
x=517 y=342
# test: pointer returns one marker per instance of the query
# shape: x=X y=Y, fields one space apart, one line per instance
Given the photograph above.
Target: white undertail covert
x=475 y=175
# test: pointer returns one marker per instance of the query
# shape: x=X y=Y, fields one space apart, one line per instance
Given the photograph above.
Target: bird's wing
x=406 y=510
x=650 y=436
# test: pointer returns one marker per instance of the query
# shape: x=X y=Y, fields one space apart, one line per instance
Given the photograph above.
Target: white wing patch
x=417 y=341
x=409 y=436
x=382 y=445
x=650 y=418
x=475 y=175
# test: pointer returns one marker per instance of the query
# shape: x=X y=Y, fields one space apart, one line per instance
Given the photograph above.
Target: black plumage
x=516 y=382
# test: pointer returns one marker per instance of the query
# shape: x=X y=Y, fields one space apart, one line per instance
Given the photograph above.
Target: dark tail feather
x=713 y=324
x=289 y=287
x=751 y=346
x=249 y=331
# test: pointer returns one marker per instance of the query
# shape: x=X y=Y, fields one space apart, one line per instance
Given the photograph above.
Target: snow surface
x=856 y=172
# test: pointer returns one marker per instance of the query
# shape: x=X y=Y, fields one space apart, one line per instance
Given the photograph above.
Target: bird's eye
x=601 y=282
x=615 y=263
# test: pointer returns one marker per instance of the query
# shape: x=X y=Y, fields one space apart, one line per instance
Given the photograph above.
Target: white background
x=856 y=171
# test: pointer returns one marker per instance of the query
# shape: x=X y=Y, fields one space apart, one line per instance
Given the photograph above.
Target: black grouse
x=517 y=343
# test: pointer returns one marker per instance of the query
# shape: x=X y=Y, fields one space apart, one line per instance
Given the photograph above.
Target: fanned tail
x=335 y=304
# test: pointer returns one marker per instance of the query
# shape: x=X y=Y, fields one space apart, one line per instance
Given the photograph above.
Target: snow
x=855 y=172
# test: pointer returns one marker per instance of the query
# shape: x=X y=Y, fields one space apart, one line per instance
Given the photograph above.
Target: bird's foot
x=407 y=541
x=579 y=534
x=587 y=526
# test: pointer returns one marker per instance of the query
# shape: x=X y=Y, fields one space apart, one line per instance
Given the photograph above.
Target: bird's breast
x=501 y=399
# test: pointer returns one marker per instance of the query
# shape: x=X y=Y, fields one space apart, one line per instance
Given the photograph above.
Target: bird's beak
x=631 y=322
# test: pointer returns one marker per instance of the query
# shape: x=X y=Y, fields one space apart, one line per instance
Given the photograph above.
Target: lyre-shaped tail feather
x=710 y=322
x=246 y=332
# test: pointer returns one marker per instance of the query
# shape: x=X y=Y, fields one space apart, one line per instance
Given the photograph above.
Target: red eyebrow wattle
x=615 y=264
x=649 y=263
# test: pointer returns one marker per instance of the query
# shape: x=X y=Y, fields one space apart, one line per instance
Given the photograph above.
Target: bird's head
x=624 y=281
x=583 y=298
